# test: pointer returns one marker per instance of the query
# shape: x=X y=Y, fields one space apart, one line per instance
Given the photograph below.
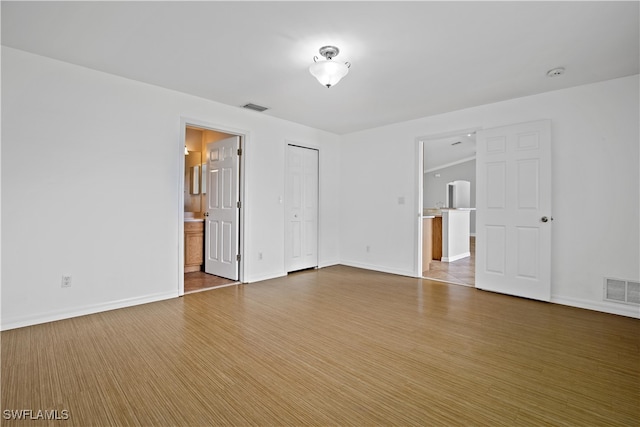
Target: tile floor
x=461 y=272
x=200 y=281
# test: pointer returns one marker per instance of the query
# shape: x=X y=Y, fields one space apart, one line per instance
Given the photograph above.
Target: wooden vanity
x=193 y=245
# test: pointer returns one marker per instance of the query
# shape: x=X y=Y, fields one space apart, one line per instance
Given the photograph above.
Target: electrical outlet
x=66 y=281
x=368 y=248
x=260 y=256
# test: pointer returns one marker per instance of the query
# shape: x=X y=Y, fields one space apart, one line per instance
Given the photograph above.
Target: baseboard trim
x=53 y=316
x=605 y=307
x=263 y=277
x=328 y=264
x=455 y=257
x=379 y=268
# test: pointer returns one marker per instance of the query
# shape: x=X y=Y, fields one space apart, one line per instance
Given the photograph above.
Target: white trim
x=379 y=268
x=457 y=162
x=263 y=277
x=328 y=264
x=244 y=143
x=455 y=257
x=419 y=208
x=420 y=141
x=55 y=315
x=605 y=307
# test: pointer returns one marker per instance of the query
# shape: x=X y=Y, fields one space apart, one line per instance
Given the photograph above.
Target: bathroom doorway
x=197 y=180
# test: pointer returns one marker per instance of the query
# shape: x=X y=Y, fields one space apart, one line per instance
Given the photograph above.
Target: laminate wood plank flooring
x=334 y=346
x=197 y=281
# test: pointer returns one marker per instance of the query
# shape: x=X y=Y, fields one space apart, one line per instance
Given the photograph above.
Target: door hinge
x=238 y=257
x=239 y=151
x=239 y=204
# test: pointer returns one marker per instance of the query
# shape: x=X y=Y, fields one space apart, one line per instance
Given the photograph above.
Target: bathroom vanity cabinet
x=193 y=245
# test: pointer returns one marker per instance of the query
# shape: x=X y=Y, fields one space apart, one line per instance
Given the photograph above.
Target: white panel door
x=301 y=208
x=222 y=211
x=513 y=217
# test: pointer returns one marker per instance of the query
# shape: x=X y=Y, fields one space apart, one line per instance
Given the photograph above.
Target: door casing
x=419 y=144
x=244 y=144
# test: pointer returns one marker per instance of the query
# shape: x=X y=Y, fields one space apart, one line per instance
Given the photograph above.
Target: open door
x=513 y=199
x=223 y=207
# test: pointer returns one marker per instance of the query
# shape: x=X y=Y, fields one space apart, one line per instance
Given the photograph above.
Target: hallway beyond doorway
x=461 y=272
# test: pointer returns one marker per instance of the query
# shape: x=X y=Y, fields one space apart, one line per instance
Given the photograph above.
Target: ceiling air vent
x=255 y=107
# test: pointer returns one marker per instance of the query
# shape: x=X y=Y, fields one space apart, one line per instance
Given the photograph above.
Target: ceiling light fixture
x=329 y=72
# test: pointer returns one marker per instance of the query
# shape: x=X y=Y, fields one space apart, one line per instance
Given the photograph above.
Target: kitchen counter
x=451 y=230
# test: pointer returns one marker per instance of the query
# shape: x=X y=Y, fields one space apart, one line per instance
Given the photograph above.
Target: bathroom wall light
x=329 y=72
x=186 y=151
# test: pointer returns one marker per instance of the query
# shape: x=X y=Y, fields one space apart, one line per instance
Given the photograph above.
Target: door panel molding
x=301 y=207
x=513 y=174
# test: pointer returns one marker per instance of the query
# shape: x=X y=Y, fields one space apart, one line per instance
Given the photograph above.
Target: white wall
x=596 y=186
x=74 y=138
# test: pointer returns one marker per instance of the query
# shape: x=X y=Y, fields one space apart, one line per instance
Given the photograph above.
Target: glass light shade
x=328 y=72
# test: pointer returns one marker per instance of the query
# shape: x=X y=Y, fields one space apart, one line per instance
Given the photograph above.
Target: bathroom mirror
x=195 y=179
x=203 y=180
x=192 y=184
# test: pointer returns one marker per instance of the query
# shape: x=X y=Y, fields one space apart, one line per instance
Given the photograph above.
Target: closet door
x=301 y=208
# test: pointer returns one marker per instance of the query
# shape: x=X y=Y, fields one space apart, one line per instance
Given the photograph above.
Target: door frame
x=420 y=140
x=244 y=143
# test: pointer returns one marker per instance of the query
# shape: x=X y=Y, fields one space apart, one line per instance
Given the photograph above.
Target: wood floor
x=335 y=346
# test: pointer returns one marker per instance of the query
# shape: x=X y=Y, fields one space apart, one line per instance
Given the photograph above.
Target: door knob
x=544 y=219
x=206 y=214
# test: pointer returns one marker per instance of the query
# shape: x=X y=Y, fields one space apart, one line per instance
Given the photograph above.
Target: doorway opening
x=448 y=207
x=210 y=220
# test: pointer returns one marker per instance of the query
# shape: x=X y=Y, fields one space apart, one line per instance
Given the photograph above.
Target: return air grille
x=623 y=291
x=255 y=107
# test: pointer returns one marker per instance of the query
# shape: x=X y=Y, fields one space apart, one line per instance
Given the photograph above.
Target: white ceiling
x=409 y=59
x=448 y=151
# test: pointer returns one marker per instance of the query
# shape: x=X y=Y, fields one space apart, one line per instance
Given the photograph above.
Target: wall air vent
x=255 y=107
x=623 y=291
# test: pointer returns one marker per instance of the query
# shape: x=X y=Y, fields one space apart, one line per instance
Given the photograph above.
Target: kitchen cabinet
x=427 y=243
x=436 y=237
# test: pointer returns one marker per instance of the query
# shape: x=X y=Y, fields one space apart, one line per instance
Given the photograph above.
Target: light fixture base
x=329 y=51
